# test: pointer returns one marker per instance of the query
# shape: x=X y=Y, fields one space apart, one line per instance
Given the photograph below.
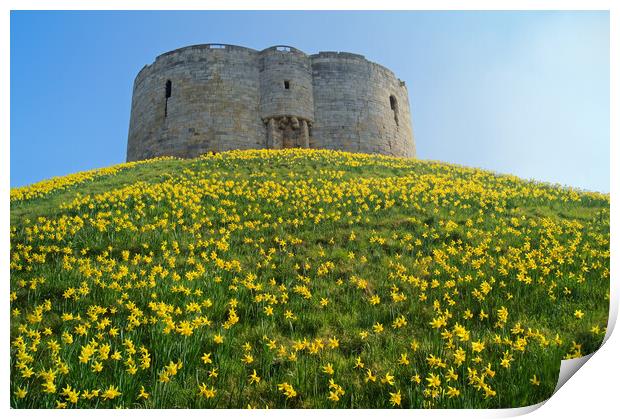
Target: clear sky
x=525 y=93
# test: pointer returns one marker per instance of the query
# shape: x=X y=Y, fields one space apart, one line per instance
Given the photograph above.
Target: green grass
x=257 y=226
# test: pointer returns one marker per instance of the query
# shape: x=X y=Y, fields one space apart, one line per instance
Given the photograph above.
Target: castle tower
x=286 y=96
x=360 y=106
x=213 y=97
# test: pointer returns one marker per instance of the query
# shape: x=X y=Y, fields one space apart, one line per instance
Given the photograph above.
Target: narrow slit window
x=168 y=89
x=287 y=84
x=168 y=94
x=394 y=107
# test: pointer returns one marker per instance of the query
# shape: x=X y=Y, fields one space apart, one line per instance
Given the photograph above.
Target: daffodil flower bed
x=301 y=278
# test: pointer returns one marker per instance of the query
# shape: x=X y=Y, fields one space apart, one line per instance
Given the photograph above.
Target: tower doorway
x=288 y=132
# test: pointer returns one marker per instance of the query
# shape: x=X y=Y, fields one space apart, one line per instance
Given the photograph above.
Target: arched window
x=168 y=94
x=394 y=107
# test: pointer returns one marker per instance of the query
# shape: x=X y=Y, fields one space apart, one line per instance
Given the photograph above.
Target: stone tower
x=213 y=97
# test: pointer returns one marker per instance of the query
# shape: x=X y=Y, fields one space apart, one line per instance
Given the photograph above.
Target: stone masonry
x=213 y=97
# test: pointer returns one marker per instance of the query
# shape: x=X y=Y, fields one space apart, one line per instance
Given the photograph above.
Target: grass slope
x=301 y=279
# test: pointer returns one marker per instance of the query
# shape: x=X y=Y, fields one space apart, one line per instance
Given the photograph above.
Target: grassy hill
x=301 y=279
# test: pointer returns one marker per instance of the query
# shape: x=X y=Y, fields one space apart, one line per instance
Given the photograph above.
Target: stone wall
x=213 y=103
x=353 y=109
x=285 y=83
x=211 y=97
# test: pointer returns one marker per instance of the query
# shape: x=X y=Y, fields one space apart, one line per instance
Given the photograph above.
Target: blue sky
x=525 y=93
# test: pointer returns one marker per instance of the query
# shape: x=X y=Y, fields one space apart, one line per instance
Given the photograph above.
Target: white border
x=592 y=392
